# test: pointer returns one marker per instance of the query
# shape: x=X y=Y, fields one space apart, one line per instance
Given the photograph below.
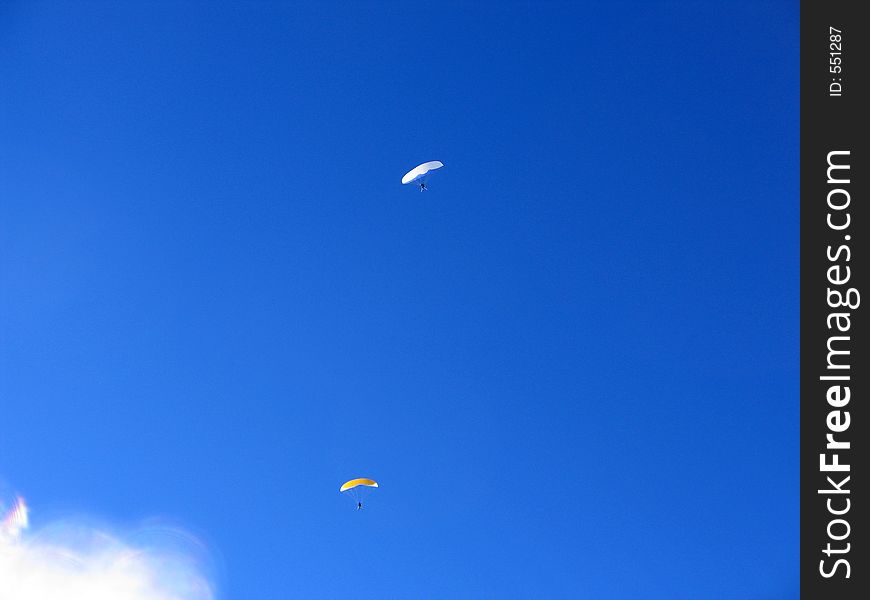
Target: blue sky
x=571 y=364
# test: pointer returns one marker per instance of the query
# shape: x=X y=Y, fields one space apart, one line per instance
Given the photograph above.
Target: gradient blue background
x=572 y=364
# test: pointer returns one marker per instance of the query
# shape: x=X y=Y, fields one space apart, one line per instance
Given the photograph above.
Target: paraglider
x=419 y=173
x=356 y=487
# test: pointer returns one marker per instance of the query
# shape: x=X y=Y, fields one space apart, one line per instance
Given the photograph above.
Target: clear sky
x=571 y=363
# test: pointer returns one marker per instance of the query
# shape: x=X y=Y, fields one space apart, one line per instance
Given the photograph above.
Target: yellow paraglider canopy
x=357 y=482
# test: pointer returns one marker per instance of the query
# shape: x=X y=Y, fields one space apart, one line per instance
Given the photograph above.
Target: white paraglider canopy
x=419 y=172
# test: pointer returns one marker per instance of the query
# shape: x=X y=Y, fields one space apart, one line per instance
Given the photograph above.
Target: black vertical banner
x=835 y=370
